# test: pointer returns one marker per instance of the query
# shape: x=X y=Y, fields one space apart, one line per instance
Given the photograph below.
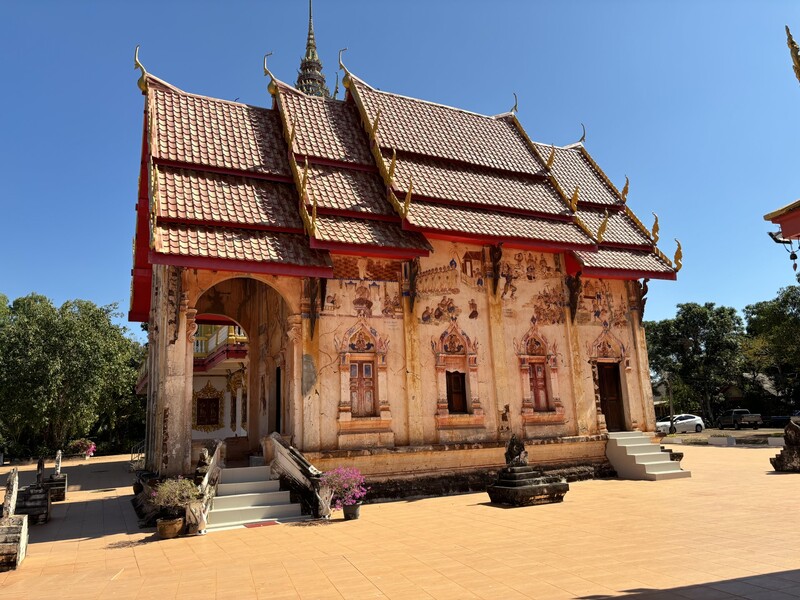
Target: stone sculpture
x=789 y=458
x=519 y=484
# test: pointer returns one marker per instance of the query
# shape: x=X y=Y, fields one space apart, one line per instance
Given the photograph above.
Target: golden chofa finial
x=346 y=78
x=625 y=190
x=552 y=158
x=142 y=83
x=267 y=73
x=516 y=104
x=601 y=232
x=654 y=233
x=794 y=51
x=678 y=260
x=583 y=137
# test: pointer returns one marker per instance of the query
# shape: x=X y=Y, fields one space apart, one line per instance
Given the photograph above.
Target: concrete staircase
x=634 y=456
x=247 y=495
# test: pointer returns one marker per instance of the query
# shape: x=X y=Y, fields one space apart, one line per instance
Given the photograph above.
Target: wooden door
x=538 y=386
x=456 y=392
x=611 y=395
x=362 y=388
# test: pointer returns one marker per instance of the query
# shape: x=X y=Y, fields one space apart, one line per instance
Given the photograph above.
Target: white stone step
x=630 y=440
x=674 y=474
x=652 y=459
x=640 y=449
x=244 y=474
x=248 y=500
x=660 y=467
x=248 y=487
x=229 y=516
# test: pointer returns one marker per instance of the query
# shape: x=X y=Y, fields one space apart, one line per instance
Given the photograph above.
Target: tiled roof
x=494 y=224
x=325 y=128
x=348 y=189
x=572 y=168
x=364 y=232
x=434 y=130
x=624 y=260
x=237 y=244
x=619 y=230
x=450 y=181
x=196 y=196
x=215 y=133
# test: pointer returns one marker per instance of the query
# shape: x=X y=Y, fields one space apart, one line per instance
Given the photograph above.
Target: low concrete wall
x=386 y=463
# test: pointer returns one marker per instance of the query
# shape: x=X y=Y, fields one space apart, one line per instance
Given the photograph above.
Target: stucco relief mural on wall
x=599 y=305
x=517 y=268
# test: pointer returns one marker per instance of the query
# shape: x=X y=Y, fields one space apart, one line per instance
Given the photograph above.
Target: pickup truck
x=738 y=418
x=783 y=420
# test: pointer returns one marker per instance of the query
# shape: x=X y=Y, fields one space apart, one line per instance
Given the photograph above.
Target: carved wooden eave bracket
x=574 y=289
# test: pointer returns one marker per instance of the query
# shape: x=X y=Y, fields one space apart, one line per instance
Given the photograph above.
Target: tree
x=773 y=344
x=61 y=370
x=700 y=350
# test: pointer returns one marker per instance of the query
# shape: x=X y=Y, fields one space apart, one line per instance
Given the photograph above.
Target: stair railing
x=290 y=463
x=137 y=456
x=197 y=513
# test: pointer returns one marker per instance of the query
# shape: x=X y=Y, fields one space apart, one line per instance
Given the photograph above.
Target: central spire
x=310 y=79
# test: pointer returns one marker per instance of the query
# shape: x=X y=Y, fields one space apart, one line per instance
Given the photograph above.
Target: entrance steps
x=247 y=495
x=634 y=456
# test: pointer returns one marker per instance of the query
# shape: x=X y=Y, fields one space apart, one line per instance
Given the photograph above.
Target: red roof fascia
x=789 y=224
x=351 y=214
x=227 y=352
x=161 y=162
x=231 y=224
x=571 y=264
x=142 y=272
x=329 y=162
x=618 y=246
x=605 y=273
x=566 y=217
x=239 y=266
x=521 y=243
x=468 y=165
x=367 y=250
x=211 y=319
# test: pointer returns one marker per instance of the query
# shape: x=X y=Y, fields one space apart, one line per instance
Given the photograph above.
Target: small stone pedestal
x=519 y=484
x=789 y=458
x=57 y=484
x=525 y=486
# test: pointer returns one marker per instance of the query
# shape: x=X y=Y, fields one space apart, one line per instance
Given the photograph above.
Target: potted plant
x=172 y=496
x=347 y=487
x=83 y=447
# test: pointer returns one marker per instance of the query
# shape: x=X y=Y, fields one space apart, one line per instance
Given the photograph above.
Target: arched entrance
x=242 y=353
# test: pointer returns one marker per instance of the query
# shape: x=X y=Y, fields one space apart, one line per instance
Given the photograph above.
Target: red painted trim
x=606 y=273
x=239 y=266
x=789 y=224
x=221 y=354
x=340 y=164
x=210 y=319
x=486 y=207
x=367 y=250
x=391 y=217
x=509 y=242
x=633 y=247
x=230 y=225
x=162 y=162
x=571 y=264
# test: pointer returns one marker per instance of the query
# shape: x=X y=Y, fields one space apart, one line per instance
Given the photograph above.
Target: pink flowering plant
x=347 y=485
x=82 y=446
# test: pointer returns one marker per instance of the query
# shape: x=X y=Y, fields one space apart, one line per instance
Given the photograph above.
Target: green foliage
x=174 y=495
x=699 y=352
x=773 y=346
x=63 y=371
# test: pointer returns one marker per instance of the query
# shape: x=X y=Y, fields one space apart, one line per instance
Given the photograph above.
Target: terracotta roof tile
x=495 y=224
x=237 y=244
x=475 y=185
x=620 y=229
x=572 y=168
x=216 y=133
x=625 y=260
x=325 y=128
x=198 y=196
x=348 y=189
x=434 y=130
x=368 y=233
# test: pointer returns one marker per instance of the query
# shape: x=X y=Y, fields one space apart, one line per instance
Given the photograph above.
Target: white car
x=683 y=424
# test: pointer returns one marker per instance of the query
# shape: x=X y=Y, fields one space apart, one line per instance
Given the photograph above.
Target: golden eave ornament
x=655 y=229
x=601 y=232
x=142 y=82
x=678 y=260
x=552 y=158
x=794 y=51
x=625 y=190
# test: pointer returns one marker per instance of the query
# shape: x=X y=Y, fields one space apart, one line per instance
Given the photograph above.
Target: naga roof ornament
x=794 y=51
x=310 y=79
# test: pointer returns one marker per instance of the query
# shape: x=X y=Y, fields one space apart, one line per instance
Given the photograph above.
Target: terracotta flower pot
x=351 y=511
x=169 y=528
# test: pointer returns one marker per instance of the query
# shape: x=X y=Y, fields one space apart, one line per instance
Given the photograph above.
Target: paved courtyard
x=729 y=531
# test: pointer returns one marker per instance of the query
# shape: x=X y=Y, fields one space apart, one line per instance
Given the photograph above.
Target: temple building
x=387 y=282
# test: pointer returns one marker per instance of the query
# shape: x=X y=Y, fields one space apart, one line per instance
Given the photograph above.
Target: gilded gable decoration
x=208 y=403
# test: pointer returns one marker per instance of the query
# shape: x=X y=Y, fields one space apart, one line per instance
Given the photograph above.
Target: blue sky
x=695 y=101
